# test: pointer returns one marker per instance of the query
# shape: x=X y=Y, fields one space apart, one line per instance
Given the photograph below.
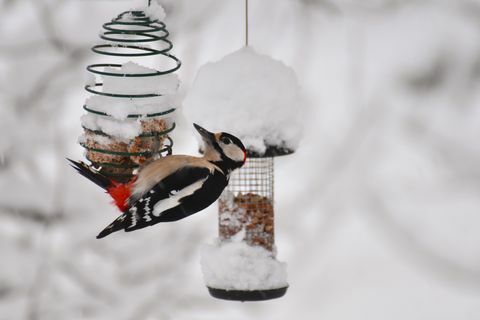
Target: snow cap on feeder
x=253 y=96
x=130 y=113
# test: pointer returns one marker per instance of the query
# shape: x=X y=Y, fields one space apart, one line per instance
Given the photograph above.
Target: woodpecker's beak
x=207 y=136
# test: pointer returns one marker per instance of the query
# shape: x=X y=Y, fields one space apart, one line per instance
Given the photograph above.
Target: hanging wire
x=246 y=23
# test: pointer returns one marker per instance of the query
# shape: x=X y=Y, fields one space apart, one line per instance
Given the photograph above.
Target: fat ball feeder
x=123 y=127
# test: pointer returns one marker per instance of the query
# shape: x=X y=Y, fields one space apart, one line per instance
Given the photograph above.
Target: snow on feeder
x=129 y=115
x=257 y=99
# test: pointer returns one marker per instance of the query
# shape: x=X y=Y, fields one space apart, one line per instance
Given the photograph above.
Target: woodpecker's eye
x=226 y=140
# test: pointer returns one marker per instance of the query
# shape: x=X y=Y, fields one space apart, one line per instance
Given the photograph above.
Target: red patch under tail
x=120 y=192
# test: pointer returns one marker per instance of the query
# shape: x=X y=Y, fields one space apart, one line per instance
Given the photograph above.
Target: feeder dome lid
x=251 y=96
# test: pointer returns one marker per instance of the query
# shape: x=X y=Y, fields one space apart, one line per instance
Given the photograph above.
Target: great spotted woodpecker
x=173 y=187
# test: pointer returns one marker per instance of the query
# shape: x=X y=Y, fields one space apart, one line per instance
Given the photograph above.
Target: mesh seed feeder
x=255 y=98
x=130 y=113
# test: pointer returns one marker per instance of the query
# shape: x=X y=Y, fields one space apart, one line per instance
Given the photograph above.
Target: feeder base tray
x=254 y=295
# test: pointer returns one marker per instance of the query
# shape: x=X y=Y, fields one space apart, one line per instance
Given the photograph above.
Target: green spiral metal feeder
x=124 y=129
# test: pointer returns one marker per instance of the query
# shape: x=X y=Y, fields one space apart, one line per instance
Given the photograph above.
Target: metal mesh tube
x=247 y=204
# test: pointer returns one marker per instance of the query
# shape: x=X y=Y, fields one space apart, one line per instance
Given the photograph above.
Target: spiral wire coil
x=131 y=34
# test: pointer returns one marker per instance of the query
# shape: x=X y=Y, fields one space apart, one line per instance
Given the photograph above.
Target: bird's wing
x=159 y=169
x=149 y=208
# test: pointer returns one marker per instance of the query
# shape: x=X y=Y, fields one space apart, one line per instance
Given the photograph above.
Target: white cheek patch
x=233 y=152
x=174 y=199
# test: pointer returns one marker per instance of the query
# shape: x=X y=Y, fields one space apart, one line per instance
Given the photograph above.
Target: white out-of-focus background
x=377 y=213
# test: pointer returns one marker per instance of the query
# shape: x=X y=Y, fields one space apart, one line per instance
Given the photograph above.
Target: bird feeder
x=255 y=98
x=246 y=208
x=130 y=113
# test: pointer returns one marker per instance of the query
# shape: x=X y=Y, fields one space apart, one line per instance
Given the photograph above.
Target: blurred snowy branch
x=31 y=214
x=409 y=242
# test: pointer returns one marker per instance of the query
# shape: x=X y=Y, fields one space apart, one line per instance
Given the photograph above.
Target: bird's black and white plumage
x=174 y=187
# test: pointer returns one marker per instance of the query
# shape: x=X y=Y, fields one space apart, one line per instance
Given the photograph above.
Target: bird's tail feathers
x=93 y=175
x=116 y=225
x=120 y=192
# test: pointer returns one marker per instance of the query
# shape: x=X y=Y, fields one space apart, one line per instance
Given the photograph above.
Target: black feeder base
x=254 y=295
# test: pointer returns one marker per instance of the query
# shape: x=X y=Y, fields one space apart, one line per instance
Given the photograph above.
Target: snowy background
x=377 y=214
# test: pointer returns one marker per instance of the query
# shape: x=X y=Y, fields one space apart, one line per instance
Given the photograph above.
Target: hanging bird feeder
x=130 y=113
x=246 y=214
x=257 y=99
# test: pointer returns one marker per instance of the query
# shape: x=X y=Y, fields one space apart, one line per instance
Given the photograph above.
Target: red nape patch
x=244 y=156
x=120 y=194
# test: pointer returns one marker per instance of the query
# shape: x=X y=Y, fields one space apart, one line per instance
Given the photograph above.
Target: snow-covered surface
x=121 y=108
x=90 y=79
x=119 y=125
x=250 y=95
x=162 y=84
x=155 y=11
x=234 y=265
x=121 y=129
